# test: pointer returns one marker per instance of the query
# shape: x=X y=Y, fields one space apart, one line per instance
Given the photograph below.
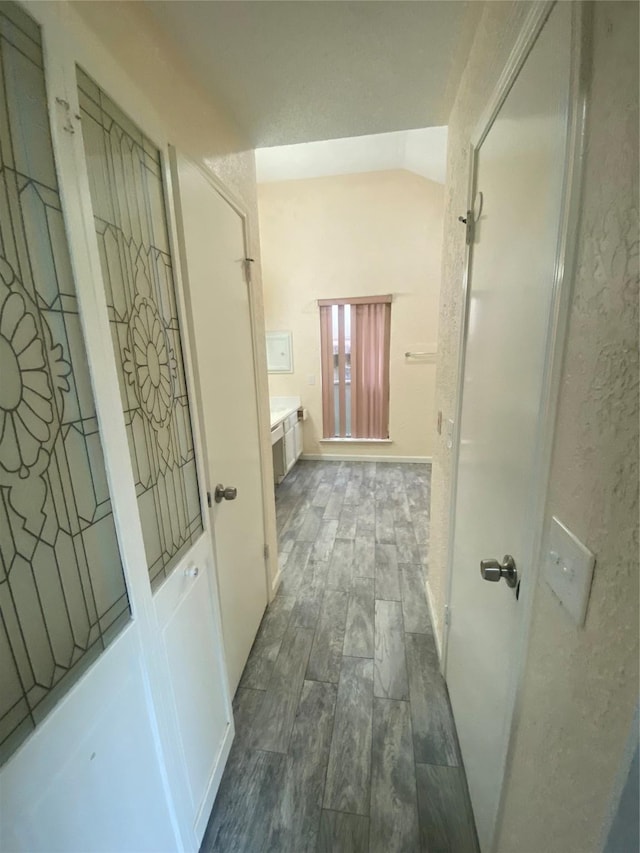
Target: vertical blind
x=354 y=338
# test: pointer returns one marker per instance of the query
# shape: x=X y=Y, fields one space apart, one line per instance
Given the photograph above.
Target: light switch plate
x=569 y=570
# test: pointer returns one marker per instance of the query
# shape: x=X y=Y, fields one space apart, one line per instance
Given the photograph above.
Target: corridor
x=344 y=735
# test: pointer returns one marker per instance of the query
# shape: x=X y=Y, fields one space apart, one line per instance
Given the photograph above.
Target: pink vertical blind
x=371 y=326
x=355 y=332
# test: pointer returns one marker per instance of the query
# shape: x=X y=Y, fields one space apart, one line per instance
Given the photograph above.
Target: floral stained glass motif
x=125 y=179
x=62 y=590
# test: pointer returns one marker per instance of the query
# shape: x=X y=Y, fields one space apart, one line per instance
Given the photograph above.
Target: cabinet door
x=299 y=439
x=289 y=449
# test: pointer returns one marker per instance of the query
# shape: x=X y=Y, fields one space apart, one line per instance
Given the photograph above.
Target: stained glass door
x=115 y=716
x=75 y=706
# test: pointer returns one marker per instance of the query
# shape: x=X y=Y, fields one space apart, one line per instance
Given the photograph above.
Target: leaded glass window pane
x=125 y=179
x=62 y=591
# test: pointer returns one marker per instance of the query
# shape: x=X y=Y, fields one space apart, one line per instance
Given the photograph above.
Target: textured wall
x=198 y=127
x=580 y=687
x=356 y=235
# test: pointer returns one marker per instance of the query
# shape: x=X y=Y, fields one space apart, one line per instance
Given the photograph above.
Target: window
x=354 y=339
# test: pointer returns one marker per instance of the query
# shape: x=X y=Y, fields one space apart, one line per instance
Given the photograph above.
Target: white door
x=218 y=287
x=520 y=166
x=115 y=718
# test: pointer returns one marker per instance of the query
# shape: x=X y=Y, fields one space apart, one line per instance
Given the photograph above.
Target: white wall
x=356 y=235
x=581 y=685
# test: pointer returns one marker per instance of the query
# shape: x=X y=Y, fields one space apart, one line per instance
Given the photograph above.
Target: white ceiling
x=313 y=69
x=421 y=151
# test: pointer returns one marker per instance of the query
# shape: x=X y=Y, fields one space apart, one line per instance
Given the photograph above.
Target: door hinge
x=209 y=499
x=68 y=126
x=468 y=222
x=266 y=552
x=447 y=615
x=247 y=269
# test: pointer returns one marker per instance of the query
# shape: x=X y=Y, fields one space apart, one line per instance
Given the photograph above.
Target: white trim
x=432 y=610
x=202 y=819
x=563 y=278
x=533 y=24
x=352 y=457
x=338 y=440
x=277 y=581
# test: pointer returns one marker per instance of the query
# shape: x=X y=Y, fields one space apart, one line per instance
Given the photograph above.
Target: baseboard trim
x=361 y=457
x=275 y=583
x=434 y=622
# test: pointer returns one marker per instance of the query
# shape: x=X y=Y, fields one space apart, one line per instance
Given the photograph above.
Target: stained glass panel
x=62 y=590
x=125 y=178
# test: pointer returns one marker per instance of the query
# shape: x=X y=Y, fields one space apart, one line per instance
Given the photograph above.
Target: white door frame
x=257 y=332
x=67 y=42
x=555 y=343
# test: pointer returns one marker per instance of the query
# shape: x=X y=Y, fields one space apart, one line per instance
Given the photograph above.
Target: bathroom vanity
x=286 y=434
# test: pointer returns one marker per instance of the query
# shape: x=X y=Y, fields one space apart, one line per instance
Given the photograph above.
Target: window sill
x=356 y=441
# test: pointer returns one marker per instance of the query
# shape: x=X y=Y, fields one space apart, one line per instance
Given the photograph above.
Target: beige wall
x=581 y=685
x=126 y=33
x=356 y=235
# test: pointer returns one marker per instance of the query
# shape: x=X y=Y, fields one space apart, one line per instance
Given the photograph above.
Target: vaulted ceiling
x=309 y=70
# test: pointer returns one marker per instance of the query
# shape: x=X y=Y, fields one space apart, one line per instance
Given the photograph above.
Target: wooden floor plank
x=266 y=646
x=358 y=638
x=326 y=652
x=364 y=555
x=343 y=833
x=295 y=822
x=415 y=610
x=434 y=733
x=274 y=722
x=340 y=572
x=394 y=803
x=390 y=671
x=348 y=773
x=446 y=819
x=387 y=573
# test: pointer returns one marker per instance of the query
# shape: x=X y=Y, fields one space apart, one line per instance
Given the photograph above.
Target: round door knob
x=225 y=493
x=191 y=572
x=492 y=570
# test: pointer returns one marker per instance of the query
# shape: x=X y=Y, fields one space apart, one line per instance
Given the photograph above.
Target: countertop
x=281 y=408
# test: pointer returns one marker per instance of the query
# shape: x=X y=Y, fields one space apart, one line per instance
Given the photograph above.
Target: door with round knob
x=225 y=493
x=492 y=570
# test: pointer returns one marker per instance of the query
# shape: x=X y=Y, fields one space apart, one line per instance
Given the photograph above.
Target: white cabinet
x=286 y=439
x=299 y=441
x=289 y=449
x=290 y=455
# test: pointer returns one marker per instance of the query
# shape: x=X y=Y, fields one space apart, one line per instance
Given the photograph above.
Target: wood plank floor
x=345 y=741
